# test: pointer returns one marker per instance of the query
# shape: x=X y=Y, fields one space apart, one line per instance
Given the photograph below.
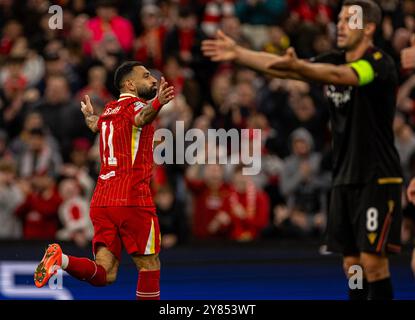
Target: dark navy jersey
x=361 y=120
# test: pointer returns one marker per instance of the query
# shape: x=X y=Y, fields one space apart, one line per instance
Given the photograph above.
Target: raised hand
x=223 y=48
x=166 y=93
x=91 y=120
x=86 y=107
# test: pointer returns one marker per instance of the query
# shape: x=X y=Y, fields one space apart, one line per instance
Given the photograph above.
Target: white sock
x=65 y=261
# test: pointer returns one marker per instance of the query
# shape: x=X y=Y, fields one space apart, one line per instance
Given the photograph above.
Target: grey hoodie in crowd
x=291 y=177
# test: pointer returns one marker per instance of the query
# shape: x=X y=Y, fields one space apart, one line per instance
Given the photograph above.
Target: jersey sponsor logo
x=339 y=98
x=110 y=111
x=108 y=175
x=138 y=105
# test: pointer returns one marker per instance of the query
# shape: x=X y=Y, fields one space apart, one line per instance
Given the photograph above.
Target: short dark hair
x=106 y=3
x=38 y=131
x=15 y=60
x=124 y=70
x=185 y=12
x=371 y=10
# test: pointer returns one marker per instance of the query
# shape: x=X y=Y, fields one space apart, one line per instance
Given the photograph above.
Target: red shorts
x=137 y=228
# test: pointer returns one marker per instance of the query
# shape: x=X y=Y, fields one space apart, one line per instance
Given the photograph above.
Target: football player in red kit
x=122 y=208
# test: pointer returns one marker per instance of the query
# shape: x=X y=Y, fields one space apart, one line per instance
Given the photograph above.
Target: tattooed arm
x=91 y=119
x=92 y=122
x=150 y=112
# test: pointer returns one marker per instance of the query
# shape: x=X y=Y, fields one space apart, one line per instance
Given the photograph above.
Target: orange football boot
x=52 y=260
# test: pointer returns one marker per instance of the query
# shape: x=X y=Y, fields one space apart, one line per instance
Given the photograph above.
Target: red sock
x=148 y=286
x=87 y=270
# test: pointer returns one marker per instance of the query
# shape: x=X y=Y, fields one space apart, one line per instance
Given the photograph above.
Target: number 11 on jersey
x=111 y=160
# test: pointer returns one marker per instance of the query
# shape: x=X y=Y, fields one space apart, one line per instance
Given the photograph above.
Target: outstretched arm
x=90 y=118
x=289 y=66
x=150 y=112
x=324 y=72
x=223 y=48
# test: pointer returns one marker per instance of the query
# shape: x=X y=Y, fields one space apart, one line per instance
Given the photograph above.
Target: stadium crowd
x=49 y=160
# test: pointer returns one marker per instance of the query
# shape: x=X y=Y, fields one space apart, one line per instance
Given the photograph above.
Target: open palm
x=223 y=48
x=86 y=107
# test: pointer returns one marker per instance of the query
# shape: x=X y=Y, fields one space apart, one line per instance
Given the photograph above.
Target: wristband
x=156 y=104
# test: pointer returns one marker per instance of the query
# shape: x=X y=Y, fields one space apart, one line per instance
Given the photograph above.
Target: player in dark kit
x=122 y=208
x=365 y=207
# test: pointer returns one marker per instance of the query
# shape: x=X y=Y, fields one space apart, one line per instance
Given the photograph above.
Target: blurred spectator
x=221 y=87
x=406 y=99
x=314 y=11
x=184 y=39
x=242 y=104
x=39 y=212
x=5 y=152
x=259 y=12
x=61 y=115
x=404 y=142
x=110 y=55
x=148 y=47
x=36 y=21
x=14 y=81
x=57 y=63
x=74 y=214
x=13 y=98
x=305 y=212
x=39 y=157
x=97 y=77
x=210 y=192
x=77 y=35
x=172 y=218
x=33 y=63
x=270 y=165
x=302 y=112
x=248 y=208
x=183 y=83
x=321 y=44
x=268 y=159
x=11 y=195
x=106 y=24
x=278 y=41
x=307 y=22
x=10 y=33
x=232 y=27
x=79 y=166
x=215 y=11
x=400 y=40
x=32 y=120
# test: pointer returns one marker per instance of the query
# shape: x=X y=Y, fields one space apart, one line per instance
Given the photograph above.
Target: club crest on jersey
x=138 y=105
x=339 y=95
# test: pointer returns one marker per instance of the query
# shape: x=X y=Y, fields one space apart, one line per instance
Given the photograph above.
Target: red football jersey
x=126 y=156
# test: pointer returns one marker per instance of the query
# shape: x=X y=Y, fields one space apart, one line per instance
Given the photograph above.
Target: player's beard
x=353 y=43
x=147 y=93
